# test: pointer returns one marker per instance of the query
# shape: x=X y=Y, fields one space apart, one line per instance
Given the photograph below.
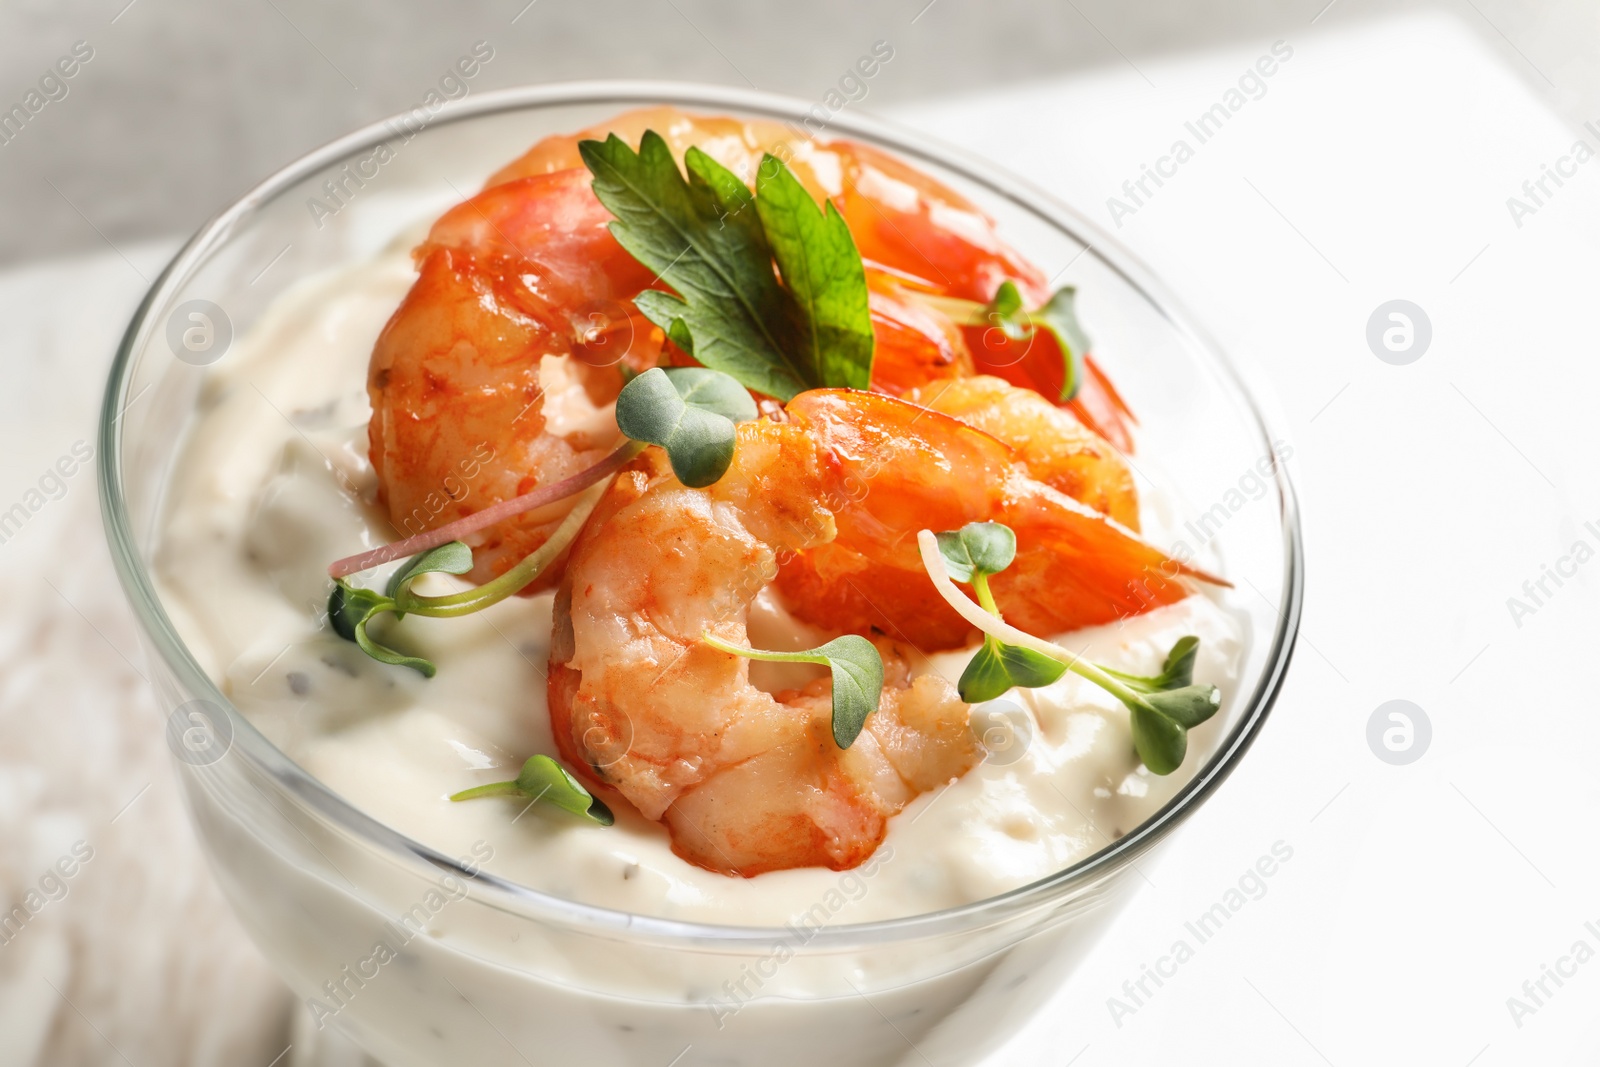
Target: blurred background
x=1381 y=167
x=185 y=105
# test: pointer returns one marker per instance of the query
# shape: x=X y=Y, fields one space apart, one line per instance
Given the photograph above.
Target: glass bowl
x=321 y=886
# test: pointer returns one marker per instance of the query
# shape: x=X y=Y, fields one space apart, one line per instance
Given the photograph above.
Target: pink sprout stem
x=517 y=505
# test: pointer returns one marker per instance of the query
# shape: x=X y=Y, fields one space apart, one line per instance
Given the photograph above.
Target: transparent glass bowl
x=319 y=884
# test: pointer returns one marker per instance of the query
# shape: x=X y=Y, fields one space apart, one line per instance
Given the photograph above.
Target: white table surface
x=1418 y=898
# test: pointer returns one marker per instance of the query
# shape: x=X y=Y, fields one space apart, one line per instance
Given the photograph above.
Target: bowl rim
x=538 y=905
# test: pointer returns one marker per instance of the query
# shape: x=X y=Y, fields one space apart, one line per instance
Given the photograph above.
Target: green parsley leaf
x=715 y=242
x=543 y=779
x=689 y=411
x=824 y=275
x=857 y=672
x=697 y=237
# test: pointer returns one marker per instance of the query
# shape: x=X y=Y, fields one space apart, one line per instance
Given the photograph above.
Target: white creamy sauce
x=273 y=484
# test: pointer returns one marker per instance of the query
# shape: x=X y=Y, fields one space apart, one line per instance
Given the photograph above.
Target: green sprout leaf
x=689 y=411
x=351 y=609
x=1176 y=672
x=978 y=549
x=451 y=558
x=999 y=667
x=857 y=672
x=822 y=270
x=1005 y=312
x=1162 y=709
x=1058 y=316
x=546 y=781
x=1161 y=742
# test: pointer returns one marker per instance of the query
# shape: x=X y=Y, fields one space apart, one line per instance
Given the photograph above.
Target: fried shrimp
x=746 y=781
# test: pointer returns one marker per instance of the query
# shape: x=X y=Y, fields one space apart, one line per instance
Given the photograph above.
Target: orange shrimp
x=1056 y=448
x=913 y=344
x=748 y=781
x=911 y=468
x=523 y=295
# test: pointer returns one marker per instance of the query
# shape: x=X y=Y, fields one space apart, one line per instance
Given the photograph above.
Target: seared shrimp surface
x=829 y=500
x=917 y=468
x=745 y=781
x=522 y=295
x=495 y=374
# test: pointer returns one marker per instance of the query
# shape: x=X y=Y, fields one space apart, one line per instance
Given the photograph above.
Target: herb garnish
x=971 y=554
x=1162 y=709
x=690 y=412
x=1058 y=316
x=351 y=608
x=819 y=263
x=542 y=778
x=857 y=671
x=701 y=236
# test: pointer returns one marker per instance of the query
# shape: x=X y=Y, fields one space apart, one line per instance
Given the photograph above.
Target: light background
x=1377 y=166
x=187 y=104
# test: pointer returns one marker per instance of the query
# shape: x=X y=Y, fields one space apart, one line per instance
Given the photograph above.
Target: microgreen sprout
x=351 y=608
x=1162 y=709
x=544 y=780
x=857 y=671
x=1057 y=316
